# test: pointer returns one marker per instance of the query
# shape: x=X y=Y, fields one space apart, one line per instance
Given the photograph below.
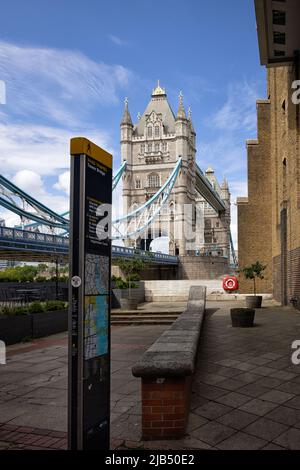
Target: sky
x=67 y=66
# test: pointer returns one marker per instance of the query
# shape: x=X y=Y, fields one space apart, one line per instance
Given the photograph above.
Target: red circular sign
x=230 y=283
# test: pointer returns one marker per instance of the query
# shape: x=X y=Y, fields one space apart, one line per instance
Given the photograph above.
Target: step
x=138 y=313
x=144 y=317
x=142 y=322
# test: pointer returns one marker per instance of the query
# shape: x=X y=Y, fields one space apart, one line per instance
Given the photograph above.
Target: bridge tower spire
x=126 y=128
x=185 y=185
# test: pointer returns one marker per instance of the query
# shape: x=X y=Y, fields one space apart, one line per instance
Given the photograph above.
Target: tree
x=131 y=268
x=253 y=271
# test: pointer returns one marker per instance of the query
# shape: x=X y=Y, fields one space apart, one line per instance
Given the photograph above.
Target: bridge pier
x=189 y=268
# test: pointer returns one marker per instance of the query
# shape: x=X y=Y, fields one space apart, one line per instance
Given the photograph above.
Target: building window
x=207 y=239
x=217 y=224
x=278 y=37
x=156 y=131
x=278 y=53
x=207 y=223
x=149 y=147
x=164 y=146
x=137 y=184
x=156 y=147
x=143 y=148
x=279 y=17
x=153 y=180
x=149 y=131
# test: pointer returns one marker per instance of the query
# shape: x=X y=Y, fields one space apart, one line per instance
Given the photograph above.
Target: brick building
x=269 y=219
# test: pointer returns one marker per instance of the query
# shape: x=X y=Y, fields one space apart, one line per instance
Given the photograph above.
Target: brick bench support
x=166 y=370
x=165 y=407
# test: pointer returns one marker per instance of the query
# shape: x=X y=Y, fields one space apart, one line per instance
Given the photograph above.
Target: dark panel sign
x=89 y=306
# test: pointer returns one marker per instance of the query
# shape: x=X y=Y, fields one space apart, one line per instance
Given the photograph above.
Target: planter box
x=242 y=317
x=137 y=294
x=47 y=289
x=14 y=329
x=253 y=301
x=49 y=323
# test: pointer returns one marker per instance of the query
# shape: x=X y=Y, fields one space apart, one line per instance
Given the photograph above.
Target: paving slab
x=245 y=393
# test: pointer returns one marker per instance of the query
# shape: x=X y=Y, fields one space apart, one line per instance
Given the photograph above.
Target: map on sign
x=96 y=274
x=95 y=326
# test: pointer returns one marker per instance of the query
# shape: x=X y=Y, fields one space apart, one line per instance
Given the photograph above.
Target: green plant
x=131 y=269
x=20 y=310
x=42 y=267
x=13 y=311
x=40 y=279
x=253 y=271
x=52 y=305
x=35 y=307
x=18 y=274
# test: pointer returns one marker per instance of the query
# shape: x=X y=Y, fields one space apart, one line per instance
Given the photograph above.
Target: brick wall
x=274 y=212
x=277 y=278
x=165 y=407
x=294 y=276
x=254 y=212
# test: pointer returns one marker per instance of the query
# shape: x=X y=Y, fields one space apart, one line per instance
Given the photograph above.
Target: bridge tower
x=151 y=148
x=216 y=226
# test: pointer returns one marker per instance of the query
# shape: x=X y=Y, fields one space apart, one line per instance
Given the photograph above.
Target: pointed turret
x=181 y=111
x=224 y=184
x=190 y=121
x=126 y=135
x=225 y=190
x=126 y=119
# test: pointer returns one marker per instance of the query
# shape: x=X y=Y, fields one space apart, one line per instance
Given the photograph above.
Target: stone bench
x=166 y=371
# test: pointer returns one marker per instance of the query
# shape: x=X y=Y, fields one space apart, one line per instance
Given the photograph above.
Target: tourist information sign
x=89 y=296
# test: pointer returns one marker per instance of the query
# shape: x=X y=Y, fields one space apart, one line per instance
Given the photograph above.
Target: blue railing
x=17 y=235
x=14 y=239
x=120 y=251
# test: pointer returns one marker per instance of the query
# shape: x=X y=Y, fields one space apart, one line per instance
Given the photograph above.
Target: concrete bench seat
x=166 y=370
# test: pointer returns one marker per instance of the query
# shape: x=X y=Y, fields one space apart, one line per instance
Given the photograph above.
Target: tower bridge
x=165 y=193
x=152 y=147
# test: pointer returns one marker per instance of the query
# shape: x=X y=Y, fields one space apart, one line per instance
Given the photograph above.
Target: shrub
x=20 y=310
x=35 y=307
x=52 y=305
x=131 y=268
x=18 y=274
x=12 y=311
x=253 y=271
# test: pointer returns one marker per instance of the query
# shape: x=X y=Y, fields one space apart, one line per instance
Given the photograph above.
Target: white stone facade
x=151 y=148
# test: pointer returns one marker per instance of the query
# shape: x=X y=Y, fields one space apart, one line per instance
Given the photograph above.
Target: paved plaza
x=246 y=392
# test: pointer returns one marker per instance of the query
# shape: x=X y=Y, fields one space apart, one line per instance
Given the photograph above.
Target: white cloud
x=239 y=110
x=40 y=148
x=29 y=181
x=233 y=123
x=63 y=183
x=52 y=95
x=117 y=40
x=55 y=83
x=32 y=183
